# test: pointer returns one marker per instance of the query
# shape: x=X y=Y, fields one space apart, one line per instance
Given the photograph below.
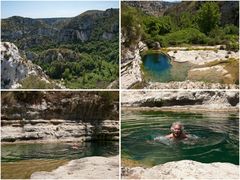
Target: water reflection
x=16 y=152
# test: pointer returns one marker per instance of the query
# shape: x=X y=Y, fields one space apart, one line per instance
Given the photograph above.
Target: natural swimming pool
x=21 y=160
x=158 y=67
x=213 y=137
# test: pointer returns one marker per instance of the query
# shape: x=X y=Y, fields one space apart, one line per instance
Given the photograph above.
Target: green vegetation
x=81 y=65
x=208 y=17
x=201 y=27
x=13 y=97
x=34 y=82
x=79 y=52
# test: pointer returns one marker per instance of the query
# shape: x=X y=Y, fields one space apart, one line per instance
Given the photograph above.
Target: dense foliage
x=201 y=27
x=208 y=17
x=81 y=65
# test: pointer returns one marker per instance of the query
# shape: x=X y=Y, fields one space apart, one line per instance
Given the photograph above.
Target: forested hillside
x=79 y=52
x=188 y=22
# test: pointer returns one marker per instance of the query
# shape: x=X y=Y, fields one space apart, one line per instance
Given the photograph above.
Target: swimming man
x=177 y=132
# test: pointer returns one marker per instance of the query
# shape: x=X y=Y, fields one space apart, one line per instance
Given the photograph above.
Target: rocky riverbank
x=58 y=130
x=131 y=73
x=185 y=169
x=189 y=85
x=198 y=100
x=211 y=64
x=84 y=168
x=63 y=116
x=200 y=55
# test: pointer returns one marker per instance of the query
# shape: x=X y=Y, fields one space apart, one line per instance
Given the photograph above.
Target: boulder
x=185 y=169
x=84 y=168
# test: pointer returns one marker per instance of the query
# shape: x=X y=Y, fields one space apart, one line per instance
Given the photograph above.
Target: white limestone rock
x=131 y=72
x=14 y=68
x=200 y=57
x=85 y=168
x=185 y=169
x=189 y=99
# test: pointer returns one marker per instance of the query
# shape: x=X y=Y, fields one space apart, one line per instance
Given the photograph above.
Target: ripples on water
x=212 y=137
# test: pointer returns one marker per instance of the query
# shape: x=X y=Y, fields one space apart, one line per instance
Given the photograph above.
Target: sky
x=46 y=9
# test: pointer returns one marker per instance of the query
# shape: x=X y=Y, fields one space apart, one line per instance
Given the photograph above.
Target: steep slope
x=15 y=69
x=229 y=10
x=91 y=25
x=154 y=8
x=81 y=52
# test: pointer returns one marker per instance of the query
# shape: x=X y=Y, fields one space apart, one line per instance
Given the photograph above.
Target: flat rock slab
x=185 y=169
x=95 y=167
x=201 y=57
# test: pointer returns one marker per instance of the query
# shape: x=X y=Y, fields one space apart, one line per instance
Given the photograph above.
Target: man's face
x=177 y=131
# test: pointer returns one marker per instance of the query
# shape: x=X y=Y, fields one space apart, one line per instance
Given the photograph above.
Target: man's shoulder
x=169 y=136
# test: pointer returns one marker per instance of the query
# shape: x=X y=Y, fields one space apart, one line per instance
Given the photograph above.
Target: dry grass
x=8 y=98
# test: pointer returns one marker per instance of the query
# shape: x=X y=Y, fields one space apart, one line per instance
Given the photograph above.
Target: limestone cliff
x=155 y=8
x=59 y=116
x=90 y=25
x=215 y=100
x=14 y=68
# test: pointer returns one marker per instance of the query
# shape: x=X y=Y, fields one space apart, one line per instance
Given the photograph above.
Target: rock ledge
x=185 y=169
x=85 y=168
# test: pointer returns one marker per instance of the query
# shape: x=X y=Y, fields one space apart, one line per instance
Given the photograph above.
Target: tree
x=158 y=26
x=208 y=17
x=186 y=20
x=67 y=74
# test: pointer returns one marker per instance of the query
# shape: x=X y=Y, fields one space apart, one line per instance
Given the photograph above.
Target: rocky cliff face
x=131 y=65
x=14 y=68
x=190 y=99
x=91 y=25
x=155 y=8
x=88 y=26
x=59 y=116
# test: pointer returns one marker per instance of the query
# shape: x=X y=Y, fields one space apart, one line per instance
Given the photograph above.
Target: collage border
x=119 y=90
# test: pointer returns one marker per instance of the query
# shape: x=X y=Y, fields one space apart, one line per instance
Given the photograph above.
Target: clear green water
x=17 y=152
x=159 y=68
x=21 y=160
x=213 y=137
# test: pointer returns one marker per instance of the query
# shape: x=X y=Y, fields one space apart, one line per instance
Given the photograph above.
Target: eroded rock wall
x=14 y=68
x=204 y=99
x=59 y=115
